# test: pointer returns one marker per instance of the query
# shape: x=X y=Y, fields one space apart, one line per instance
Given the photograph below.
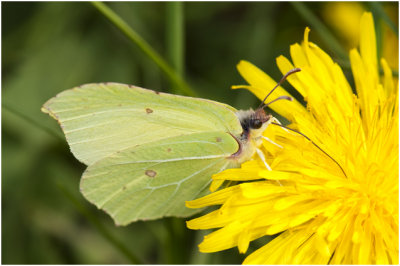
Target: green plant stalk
x=175 y=35
x=174 y=38
x=377 y=9
x=176 y=245
x=322 y=30
x=144 y=47
x=29 y=120
x=98 y=225
x=379 y=37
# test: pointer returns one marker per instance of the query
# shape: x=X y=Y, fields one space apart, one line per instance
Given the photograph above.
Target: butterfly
x=148 y=152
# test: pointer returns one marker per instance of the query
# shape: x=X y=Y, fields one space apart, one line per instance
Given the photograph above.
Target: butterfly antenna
x=294 y=70
x=283 y=97
x=313 y=144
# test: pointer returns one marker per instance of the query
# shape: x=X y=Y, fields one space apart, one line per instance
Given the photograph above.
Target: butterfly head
x=253 y=122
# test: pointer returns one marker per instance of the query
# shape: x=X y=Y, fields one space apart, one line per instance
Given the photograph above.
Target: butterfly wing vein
x=154 y=180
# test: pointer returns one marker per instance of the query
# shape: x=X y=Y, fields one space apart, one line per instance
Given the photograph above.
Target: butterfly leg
x=262 y=157
x=270 y=140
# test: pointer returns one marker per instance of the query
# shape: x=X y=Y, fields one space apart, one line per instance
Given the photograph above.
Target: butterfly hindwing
x=155 y=179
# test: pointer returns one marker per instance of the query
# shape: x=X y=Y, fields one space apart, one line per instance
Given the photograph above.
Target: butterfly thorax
x=254 y=123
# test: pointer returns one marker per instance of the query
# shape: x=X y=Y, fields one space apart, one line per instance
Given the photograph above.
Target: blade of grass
x=378 y=11
x=378 y=35
x=380 y=17
x=174 y=37
x=31 y=121
x=118 y=22
x=322 y=30
x=100 y=227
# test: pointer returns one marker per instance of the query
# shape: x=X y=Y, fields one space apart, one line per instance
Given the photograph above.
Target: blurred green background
x=48 y=47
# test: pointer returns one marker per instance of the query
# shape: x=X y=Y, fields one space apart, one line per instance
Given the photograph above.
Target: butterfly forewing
x=101 y=119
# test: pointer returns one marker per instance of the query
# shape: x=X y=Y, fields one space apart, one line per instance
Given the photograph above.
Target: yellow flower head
x=323 y=211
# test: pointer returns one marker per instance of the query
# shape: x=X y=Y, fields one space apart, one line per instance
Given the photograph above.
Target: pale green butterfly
x=148 y=152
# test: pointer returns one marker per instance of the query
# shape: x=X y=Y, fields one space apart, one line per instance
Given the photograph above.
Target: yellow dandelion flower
x=323 y=214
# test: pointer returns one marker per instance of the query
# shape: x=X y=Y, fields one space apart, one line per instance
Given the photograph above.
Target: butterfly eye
x=256 y=124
